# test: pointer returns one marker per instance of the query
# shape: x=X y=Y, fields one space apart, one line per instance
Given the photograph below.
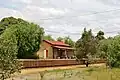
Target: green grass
x=90 y=73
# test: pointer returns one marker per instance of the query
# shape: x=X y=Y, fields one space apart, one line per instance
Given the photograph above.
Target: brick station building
x=55 y=50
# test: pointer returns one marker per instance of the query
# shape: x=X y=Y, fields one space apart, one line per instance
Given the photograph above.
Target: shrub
x=110 y=49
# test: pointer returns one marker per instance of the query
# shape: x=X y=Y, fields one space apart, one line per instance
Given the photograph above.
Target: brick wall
x=34 y=63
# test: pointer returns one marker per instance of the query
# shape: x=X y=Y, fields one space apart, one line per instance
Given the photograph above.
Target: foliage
x=18 y=38
x=110 y=49
x=29 y=36
x=29 y=39
x=60 y=39
x=8 y=51
x=69 y=41
x=48 y=37
x=87 y=45
x=100 y=35
x=7 y=22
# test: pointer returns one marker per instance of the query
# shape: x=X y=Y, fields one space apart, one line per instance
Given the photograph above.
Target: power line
x=116 y=31
x=113 y=31
x=94 y=13
x=63 y=32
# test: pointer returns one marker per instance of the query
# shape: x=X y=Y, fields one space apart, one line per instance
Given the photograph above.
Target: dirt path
x=35 y=70
x=25 y=73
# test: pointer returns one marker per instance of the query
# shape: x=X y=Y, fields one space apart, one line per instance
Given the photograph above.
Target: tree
x=69 y=41
x=60 y=39
x=86 y=45
x=5 y=22
x=29 y=39
x=110 y=49
x=100 y=35
x=29 y=36
x=8 y=51
x=48 y=37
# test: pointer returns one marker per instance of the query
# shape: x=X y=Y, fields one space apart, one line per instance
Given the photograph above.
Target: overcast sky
x=67 y=17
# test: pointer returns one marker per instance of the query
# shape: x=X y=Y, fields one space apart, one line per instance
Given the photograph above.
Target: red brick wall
x=32 y=63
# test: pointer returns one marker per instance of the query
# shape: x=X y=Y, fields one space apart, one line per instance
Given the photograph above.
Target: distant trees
x=48 y=37
x=67 y=40
x=60 y=39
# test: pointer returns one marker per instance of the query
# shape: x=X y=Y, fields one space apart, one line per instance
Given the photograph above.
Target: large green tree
x=29 y=36
x=87 y=45
x=29 y=39
x=18 y=39
x=8 y=51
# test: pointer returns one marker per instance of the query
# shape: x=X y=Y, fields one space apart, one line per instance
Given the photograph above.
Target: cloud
x=9 y=12
x=111 y=2
x=22 y=1
x=66 y=17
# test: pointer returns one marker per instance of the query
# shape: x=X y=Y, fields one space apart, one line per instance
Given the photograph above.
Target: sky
x=67 y=17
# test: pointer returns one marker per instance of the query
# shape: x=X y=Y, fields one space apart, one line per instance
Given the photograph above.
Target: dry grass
x=91 y=73
x=78 y=73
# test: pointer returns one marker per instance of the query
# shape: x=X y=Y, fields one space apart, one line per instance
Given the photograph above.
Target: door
x=45 y=54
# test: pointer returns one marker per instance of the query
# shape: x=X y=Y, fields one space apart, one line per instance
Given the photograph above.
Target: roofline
x=57 y=45
x=48 y=42
x=65 y=47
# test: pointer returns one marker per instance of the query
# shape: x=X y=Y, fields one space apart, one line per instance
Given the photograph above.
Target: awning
x=62 y=47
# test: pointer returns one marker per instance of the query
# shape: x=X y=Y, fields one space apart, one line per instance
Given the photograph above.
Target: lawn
x=90 y=73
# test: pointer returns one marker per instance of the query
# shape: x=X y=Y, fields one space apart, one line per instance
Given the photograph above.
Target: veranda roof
x=62 y=47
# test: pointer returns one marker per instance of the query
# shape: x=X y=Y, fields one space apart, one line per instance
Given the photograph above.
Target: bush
x=110 y=49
